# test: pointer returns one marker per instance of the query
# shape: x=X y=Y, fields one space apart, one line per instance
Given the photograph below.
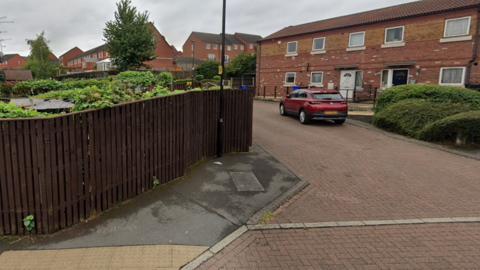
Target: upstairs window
x=292 y=47
x=235 y=47
x=457 y=27
x=215 y=47
x=318 y=44
x=208 y=46
x=357 y=39
x=242 y=47
x=229 y=48
x=251 y=46
x=394 y=34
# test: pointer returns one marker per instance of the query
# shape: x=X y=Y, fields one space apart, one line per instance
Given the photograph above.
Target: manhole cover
x=246 y=181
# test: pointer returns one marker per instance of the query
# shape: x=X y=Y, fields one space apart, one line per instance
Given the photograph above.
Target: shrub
x=80 y=84
x=10 y=110
x=199 y=78
x=463 y=126
x=165 y=77
x=138 y=77
x=434 y=93
x=409 y=117
x=40 y=85
x=217 y=78
x=94 y=97
x=61 y=95
x=183 y=81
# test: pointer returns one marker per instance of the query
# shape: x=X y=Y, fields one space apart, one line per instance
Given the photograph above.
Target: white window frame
x=296 y=47
x=350 y=39
x=251 y=46
x=393 y=42
x=211 y=58
x=454 y=19
x=294 y=78
x=462 y=84
x=229 y=48
x=311 y=78
x=242 y=47
x=313 y=44
x=215 y=46
x=208 y=46
x=235 y=47
x=227 y=58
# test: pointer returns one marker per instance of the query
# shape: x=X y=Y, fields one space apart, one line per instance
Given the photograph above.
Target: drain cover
x=246 y=181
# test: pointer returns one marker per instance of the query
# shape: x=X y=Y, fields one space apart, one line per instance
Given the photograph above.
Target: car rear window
x=327 y=96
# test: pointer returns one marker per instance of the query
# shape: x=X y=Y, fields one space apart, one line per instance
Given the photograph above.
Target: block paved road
x=360 y=174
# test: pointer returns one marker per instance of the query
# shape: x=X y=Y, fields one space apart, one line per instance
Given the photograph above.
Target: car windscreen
x=327 y=96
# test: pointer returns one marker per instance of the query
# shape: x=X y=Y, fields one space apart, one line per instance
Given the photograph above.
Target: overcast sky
x=70 y=23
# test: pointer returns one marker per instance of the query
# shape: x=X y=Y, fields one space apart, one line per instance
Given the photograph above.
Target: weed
x=155 y=182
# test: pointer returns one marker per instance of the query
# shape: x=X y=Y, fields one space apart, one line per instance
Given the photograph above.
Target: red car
x=315 y=104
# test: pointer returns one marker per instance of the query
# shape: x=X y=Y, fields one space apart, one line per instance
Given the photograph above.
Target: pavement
x=197 y=210
x=378 y=202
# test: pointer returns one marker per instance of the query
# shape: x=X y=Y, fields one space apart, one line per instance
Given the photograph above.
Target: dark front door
x=400 y=77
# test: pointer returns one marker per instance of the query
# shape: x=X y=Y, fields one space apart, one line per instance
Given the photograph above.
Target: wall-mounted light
x=418 y=72
x=376 y=73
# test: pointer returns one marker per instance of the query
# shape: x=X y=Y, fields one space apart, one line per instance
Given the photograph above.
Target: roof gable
x=100 y=48
x=249 y=38
x=413 y=9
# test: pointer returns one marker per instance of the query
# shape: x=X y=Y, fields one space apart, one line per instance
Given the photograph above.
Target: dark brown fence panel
x=64 y=169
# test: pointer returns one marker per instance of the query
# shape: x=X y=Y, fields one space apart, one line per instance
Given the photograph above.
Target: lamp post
x=220 y=121
x=193 y=61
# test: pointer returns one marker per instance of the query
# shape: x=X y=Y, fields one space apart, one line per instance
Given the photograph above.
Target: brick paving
x=432 y=246
x=359 y=174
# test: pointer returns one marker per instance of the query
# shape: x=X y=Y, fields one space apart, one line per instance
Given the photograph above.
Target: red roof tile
x=413 y=9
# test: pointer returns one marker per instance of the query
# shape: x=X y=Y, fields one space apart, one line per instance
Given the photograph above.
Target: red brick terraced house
x=423 y=42
x=208 y=46
x=64 y=58
x=86 y=61
x=12 y=61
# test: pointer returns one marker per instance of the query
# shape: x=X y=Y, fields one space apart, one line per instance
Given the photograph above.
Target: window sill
x=393 y=45
x=291 y=54
x=317 y=85
x=455 y=39
x=352 y=49
x=289 y=84
x=318 y=52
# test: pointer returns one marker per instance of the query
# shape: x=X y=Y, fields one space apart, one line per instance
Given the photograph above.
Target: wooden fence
x=64 y=169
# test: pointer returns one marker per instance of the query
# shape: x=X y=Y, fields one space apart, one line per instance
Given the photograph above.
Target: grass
x=266 y=217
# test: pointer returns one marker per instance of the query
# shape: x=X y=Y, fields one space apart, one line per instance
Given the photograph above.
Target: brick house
x=423 y=42
x=208 y=46
x=87 y=60
x=64 y=58
x=12 y=61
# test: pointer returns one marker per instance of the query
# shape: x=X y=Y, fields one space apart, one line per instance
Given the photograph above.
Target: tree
x=208 y=69
x=242 y=64
x=39 y=58
x=129 y=38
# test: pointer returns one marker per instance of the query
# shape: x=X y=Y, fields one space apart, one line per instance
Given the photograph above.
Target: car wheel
x=282 y=110
x=303 y=117
x=339 y=122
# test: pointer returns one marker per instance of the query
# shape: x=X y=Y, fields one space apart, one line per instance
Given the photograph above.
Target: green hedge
x=409 y=117
x=138 y=78
x=464 y=126
x=434 y=93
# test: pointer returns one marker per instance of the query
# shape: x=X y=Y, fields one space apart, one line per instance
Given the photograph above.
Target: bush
x=40 y=85
x=183 y=81
x=463 y=126
x=434 y=93
x=138 y=77
x=10 y=110
x=409 y=117
x=217 y=78
x=94 y=97
x=61 y=95
x=165 y=77
x=199 y=78
x=80 y=84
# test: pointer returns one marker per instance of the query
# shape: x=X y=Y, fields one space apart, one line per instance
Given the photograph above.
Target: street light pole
x=220 y=121
x=193 y=61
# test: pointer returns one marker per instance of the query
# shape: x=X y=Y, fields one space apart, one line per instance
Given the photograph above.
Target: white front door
x=347 y=83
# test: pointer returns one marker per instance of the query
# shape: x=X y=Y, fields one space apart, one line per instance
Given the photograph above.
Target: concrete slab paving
x=132 y=257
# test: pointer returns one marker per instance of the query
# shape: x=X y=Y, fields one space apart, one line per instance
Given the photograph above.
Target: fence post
x=264 y=90
x=275 y=97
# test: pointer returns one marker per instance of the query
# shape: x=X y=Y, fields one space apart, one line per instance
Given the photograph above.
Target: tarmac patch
x=246 y=181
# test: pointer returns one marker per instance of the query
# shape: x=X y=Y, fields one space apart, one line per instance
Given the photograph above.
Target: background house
x=66 y=57
x=12 y=61
x=429 y=42
x=208 y=46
